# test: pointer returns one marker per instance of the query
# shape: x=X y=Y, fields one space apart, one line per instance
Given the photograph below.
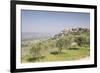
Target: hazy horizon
x=52 y=21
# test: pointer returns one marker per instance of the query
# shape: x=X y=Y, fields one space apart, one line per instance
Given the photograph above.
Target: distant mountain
x=35 y=35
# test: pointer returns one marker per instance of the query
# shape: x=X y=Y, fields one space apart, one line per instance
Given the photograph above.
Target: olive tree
x=59 y=44
x=82 y=40
x=35 y=51
x=68 y=40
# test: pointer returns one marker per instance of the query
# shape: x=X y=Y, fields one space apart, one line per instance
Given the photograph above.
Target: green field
x=66 y=55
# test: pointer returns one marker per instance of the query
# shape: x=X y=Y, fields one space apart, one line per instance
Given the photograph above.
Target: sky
x=52 y=21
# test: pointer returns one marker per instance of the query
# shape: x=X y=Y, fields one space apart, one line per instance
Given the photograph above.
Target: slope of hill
x=69 y=44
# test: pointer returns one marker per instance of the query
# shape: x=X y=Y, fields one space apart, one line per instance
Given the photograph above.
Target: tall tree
x=59 y=44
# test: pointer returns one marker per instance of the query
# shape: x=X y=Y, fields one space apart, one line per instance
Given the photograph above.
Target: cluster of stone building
x=67 y=30
x=71 y=30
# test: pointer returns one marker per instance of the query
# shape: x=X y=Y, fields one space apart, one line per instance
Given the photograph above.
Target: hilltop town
x=72 y=30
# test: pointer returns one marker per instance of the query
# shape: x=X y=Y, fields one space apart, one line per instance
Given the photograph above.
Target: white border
x=20 y=65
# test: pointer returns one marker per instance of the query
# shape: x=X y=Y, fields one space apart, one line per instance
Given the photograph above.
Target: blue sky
x=52 y=21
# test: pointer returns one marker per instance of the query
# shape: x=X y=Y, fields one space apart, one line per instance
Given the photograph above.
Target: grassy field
x=66 y=55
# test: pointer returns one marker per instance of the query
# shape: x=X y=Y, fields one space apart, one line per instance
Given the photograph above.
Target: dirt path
x=86 y=58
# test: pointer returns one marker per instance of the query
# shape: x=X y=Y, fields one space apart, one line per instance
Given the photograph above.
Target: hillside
x=69 y=44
